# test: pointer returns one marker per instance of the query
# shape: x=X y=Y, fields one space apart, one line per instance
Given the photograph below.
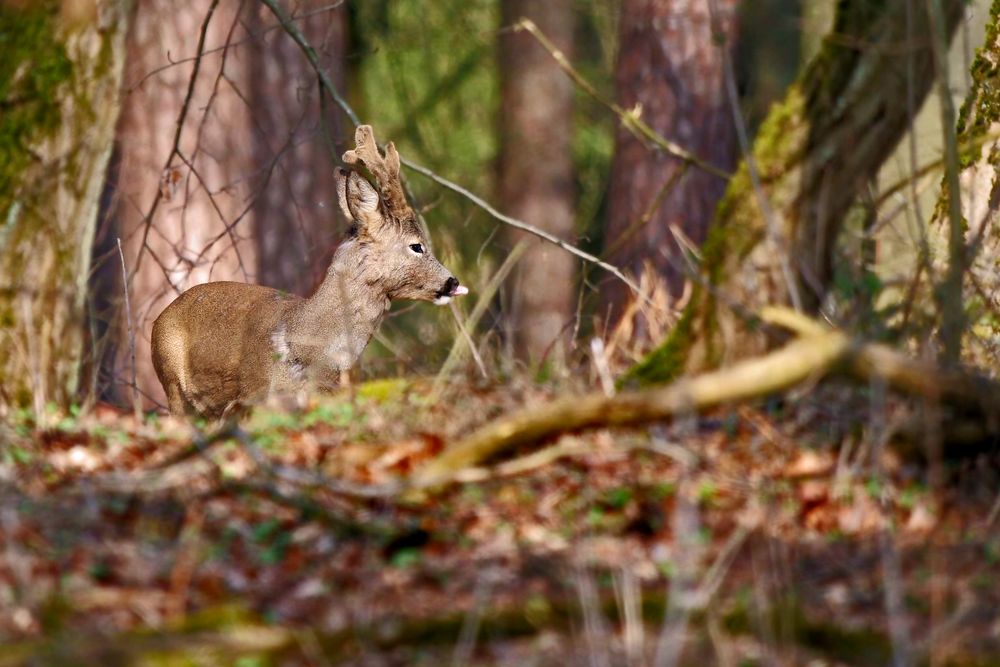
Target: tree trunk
x=671 y=65
x=813 y=154
x=294 y=213
x=201 y=228
x=536 y=174
x=977 y=128
x=60 y=75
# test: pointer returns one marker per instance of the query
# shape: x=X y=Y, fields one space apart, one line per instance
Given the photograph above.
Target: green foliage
x=909 y=496
x=427 y=79
x=593 y=126
x=769 y=52
x=666 y=362
x=982 y=106
x=407 y=557
x=272 y=541
x=707 y=493
x=664 y=490
x=428 y=82
x=383 y=390
x=619 y=497
x=339 y=414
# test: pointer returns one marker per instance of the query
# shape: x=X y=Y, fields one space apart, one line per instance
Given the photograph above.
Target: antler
x=385 y=169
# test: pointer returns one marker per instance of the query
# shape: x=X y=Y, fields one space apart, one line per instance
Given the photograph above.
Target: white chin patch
x=442 y=301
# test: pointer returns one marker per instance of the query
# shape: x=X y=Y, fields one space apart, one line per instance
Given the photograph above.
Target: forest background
x=635 y=191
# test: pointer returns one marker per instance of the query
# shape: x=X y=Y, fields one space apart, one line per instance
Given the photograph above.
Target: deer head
x=386 y=228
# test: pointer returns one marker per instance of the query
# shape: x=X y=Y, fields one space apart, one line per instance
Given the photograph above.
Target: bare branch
x=249 y=38
x=520 y=224
x=630 y=119
x=324 y=78
x=136 y=402
x=175 y=147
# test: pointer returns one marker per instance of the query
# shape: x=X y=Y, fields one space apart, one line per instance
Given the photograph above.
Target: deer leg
x=175 y=399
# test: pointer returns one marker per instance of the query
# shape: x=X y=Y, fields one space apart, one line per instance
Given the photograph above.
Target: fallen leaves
x=127 y=526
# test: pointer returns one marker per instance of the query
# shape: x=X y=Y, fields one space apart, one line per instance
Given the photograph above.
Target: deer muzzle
x=450 y=288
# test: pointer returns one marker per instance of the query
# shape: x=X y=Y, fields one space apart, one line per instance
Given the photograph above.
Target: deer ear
x=358 y=199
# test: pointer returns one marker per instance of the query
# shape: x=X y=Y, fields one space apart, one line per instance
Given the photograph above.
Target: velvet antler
x=385 y=169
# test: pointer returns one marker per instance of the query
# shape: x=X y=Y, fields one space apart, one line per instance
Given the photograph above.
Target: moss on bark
x=977 y=125
x=33 y=69
x=981 y=108
x=59 y=82
x=813 y=154
x=739 y=229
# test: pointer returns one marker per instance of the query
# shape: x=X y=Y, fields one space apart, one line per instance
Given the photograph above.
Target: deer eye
x=417 y=248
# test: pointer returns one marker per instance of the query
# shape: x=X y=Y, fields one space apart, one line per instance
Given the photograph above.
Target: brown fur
x=223 y=346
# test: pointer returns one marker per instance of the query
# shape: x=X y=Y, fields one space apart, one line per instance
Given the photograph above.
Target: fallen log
x=817 y=352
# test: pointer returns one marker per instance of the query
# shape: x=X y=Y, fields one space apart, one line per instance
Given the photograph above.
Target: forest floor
x=782 y=532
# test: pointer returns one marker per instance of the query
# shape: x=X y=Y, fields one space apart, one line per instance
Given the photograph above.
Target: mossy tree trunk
x=977 y=130
x=60 y=75
x=772 y=242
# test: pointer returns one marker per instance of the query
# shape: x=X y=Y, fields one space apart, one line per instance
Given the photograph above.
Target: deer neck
x=332 y=327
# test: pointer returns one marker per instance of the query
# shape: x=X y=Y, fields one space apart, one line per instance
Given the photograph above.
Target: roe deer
x=224 y=346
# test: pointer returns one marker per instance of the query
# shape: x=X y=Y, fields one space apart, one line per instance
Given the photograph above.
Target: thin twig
x=520 y=224
x=300 y=39
x=136 y=403
x=682 y=588
x=249 y=38
x=466 y=643
x=647 y=215
x=468 y=339
x=630 y=119
x=175 y=147
x=485 y=298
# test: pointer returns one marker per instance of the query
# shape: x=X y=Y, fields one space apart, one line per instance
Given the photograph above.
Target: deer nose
x=449 y=286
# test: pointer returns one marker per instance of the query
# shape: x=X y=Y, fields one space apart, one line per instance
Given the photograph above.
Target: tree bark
x=201 y=228
x=813 y=154
x=536 y=174
x=671 y=65
x=294 y=215
x=979 y=162
x=59 y=100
